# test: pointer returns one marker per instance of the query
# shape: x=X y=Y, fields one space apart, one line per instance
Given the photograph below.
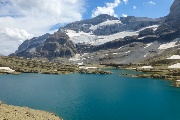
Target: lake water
x=93 y=97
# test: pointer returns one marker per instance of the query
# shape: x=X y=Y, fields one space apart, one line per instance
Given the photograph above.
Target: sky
x=24 y=19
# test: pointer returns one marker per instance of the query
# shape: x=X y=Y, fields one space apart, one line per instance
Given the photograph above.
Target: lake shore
x=172 y=75
x=147 y=71
x=9 y=112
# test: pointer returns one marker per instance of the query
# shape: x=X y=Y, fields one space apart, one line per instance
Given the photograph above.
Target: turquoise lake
x=93 y=97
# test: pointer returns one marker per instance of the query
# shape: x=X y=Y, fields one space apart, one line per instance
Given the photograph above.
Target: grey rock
x=32 y=43
x=84 y=25
x=173 y=19
x=58 y=45
x=146 y=32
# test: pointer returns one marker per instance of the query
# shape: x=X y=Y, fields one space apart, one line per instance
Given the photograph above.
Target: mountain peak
x=173 y=19
x=106 y=16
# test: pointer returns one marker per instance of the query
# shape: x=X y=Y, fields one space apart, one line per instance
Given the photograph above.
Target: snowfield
x=174 y=57
x=147 y=67
x=108 y=22
x=90 y=38
x=175 y=66
x=169 y=45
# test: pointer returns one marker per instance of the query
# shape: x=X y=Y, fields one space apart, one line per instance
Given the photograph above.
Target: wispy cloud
x=124 y=15
x=107 y=9
x=151 y=3
x=134 y=7
x=125 y=1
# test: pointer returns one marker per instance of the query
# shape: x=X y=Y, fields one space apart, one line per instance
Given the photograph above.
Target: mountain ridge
x=108 y=33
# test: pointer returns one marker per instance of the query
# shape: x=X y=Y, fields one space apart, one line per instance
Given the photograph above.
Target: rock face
x=146 y=32
x=129 y=23
x=84 y=25
x=32 y=43
x=173 y=19
x=46 y=46
x=58 y=45
x=114 y=25
x=28 y=47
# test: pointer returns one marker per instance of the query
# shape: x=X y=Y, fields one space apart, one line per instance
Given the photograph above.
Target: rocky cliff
x=28 y=47
x=84 y=25
x=46 y=46
x=173 y=19
x=33 y=43
x=129 y=23
x=107 y=25
x=58 y=45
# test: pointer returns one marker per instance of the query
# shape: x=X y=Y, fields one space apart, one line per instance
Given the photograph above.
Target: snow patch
x=104 y=39
x=81 y=37
x=120 y=47
x=7 y=69
x=108 y=22
x=175 y=66
x=127 y=52
x=146 y=67
x=115 y=53
x=169 y=45
x=174 y=57
x=145 y=55
x=147 y=45
x=90 y=38
x=80 y=64
x=154 y=27
x=84 y=67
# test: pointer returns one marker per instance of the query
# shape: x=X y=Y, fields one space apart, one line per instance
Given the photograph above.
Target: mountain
x=47 y=46
x=28 y=47
x=95 y=31
x=105 y=28
x=173 y=19
x=107 y=39
x=85 y=25
x=58 y=45
x=148 y=46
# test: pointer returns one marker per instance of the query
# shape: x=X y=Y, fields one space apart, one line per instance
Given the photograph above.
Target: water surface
x=93 y=97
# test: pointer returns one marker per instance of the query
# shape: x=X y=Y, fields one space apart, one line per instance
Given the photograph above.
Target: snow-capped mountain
x=107 y=39
x=105 y=28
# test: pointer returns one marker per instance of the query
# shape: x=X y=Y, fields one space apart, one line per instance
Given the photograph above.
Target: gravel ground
x=9 y=112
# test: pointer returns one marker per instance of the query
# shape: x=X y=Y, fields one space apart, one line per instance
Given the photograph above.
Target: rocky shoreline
x=9 y=112
x=172 y=75
x=25 y=65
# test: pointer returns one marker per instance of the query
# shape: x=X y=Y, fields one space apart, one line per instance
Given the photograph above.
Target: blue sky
x=143 y=8
x=24 y=19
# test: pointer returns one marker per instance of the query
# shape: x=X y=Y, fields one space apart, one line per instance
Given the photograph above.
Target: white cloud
x=134 y=7
x=107 y=9
x=37 y=16
x=124 y=15
x=151 y=3
x=10 y=39
x=125 y=1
